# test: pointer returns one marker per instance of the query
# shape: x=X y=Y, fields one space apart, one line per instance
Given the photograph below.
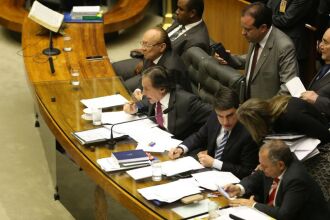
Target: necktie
x=323 y=71
x=176 y=34
x=221 y=142
x=159 y=115
x=272 y=192
x=253 y=65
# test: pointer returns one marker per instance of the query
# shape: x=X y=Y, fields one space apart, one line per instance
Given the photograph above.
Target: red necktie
x=159 y=115
x=272 y=192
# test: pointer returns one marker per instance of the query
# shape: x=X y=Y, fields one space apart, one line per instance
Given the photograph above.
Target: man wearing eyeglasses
x=156 y=49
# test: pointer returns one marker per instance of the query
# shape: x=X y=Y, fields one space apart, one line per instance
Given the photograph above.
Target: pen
x=151 y=144
x=97 y=57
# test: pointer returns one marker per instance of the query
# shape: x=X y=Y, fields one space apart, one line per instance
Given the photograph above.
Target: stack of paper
x=169 y=168
x=212 y=179
x=171 y=192
x=109 y=164
x=305 y=148
x=96 y=135
x=79 y=12
x=105 y=101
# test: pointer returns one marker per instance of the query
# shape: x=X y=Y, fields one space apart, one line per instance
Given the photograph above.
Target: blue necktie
x=323 y=71
x=221 y=142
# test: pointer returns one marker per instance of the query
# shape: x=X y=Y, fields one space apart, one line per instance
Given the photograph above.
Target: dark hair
x=278 y=151
x=164 y=38
x=260 y=13
x=197 y=5
x=225 y=98
x=159 y=77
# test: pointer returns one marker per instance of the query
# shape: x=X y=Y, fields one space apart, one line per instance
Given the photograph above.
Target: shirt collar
x=157 y=59
x=281 y=176
x=263 y=42
x=189 y=26
x=164 y=101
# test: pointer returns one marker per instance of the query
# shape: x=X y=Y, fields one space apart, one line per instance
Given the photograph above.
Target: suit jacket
x=276 y=65
x=298 y=195
x=322 y=88
x=186 y=113
x=302 y=117
x=240 y=155
x=292 y=22
x=197 y=36
x=170 y=60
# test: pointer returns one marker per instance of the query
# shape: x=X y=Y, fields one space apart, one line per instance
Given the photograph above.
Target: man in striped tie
x=223 y=143
x=282 y=188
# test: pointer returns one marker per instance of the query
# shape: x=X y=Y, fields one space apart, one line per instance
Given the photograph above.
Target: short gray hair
x=278 y=151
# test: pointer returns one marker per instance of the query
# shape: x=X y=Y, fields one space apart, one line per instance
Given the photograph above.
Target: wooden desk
x=61 y=109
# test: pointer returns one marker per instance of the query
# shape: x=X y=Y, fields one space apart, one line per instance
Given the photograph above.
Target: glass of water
x=75 y=76
x=156 y=167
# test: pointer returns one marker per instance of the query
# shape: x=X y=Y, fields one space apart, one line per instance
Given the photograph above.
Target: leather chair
x=207 y=75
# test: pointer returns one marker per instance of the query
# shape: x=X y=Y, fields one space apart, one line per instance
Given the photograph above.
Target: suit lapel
x=264 y=54
x=213 y=139
x=172 y=114
x=315 y=85
x=189 y=32
x=267 y=186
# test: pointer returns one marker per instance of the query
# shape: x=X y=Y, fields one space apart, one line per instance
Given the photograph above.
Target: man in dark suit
x=282 y=188
x=226 y=144
x=290 y=16
x=188 y=29
x=271 y=58
x=156 y=49
x=175 y=110
x=319 y=89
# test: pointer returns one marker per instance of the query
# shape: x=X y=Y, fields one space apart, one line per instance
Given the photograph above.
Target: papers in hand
x=105 y=101
x=295 y=87
x=46 y=17
x=213 y=179
x=169 y=168
x=171 y=192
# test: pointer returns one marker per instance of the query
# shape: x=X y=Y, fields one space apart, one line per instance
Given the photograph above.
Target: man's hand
x=130 y=108
x=205 y=159
x=232 y=190
x=309 y=96
x=175 y=153
x=242 y=202
x=138 y=94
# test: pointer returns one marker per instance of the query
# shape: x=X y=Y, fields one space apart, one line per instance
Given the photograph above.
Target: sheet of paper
x=118 y=117
x=212 y=179
x=295 y=87
x=104 y=101
x=140 y=173
x=172 y=191
x=184 y=164
x=193 y=209
x=109 y=164
x=94 y=135
x=243 y=212
x=305 y=148
x=159 y=145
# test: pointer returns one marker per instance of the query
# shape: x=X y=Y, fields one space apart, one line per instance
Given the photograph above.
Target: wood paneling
x=222 y=18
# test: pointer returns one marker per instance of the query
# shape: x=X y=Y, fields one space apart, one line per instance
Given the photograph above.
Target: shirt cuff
x=217 y=164
x=242 y=190
x=184 y=147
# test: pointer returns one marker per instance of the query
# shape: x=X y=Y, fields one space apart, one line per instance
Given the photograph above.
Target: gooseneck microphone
x=51 y=64
x=112 y=142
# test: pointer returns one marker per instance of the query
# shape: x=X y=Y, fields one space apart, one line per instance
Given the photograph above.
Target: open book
x=46 y=17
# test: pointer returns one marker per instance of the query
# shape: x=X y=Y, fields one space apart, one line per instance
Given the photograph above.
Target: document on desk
x=295 y=87
x=172 y=191
x=95 y=135
x=109 y=164
x=243 y=212
x=212 y=179
x=196 y=208
x=118 y=117
x=169 y=168
x=104 y=101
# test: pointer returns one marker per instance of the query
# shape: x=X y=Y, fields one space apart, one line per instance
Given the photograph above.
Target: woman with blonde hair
x=282 y=114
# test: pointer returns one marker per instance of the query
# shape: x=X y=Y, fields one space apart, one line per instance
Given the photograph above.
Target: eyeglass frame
x=146 y=45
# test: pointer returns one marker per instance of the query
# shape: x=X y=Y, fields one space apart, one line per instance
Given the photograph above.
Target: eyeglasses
x=146 y=45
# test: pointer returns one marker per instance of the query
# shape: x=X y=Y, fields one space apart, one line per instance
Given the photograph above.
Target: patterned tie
x=272 y=192
x=323 y=71
x=253 y=65
x=221 y=142
x=176 y=34
x=159 y=115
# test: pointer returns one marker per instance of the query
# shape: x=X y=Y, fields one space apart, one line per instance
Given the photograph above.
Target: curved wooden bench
x=122 y=15
x=12 y=14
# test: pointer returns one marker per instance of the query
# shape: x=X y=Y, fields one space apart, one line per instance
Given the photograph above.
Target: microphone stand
x=51 y=51
x=112 y=142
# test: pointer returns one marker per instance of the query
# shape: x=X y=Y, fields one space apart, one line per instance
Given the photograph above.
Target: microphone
x=112 y=141
x=51 y=64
